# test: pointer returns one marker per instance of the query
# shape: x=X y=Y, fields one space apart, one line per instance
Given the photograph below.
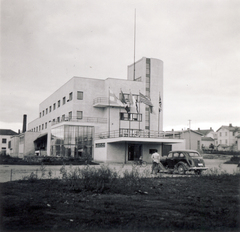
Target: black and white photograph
x=120 y=115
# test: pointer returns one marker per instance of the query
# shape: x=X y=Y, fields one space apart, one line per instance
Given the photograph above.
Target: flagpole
x=134 y=44
x=158 y=112
x=108 y=112
x=139 y=102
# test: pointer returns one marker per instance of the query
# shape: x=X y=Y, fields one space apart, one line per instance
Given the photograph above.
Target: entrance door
x=166 y=149
x=134 y=151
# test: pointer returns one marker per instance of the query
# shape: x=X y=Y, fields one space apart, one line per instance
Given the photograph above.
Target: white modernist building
x=112 y=120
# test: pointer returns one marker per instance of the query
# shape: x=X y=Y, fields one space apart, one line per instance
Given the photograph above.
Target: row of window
x=220 y=134
x=58 y=119
x=53 y=107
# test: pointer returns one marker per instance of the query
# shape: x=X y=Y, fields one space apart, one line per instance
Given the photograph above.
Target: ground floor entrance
x=134 y=151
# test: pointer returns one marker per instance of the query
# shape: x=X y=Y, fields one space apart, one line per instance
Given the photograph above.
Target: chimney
x=24 y=123
x=172 y=129
x=230 y=124
x=18 y=131
x=198 y=129
x=211 y=128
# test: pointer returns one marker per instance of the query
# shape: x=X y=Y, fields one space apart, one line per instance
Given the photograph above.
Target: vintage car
x=184 y=161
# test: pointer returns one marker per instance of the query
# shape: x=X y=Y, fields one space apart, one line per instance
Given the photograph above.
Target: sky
x=44 y=43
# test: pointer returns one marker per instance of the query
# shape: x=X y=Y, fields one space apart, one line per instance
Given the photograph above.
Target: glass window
x=226 y=141
x=58 y=119
x=40 y=115
x=70 y=96
x=220 y=133
x=50 y=109
x=54 y=106
x=70 y=115
x=43 y=113
x=46 y=110
x=193 y=154
x=64 y=100
x=4 y=140
x=59 y=102
x=39 y=128
x=42 y=126
x=79 y=114
x=225 y=133
x=79 y=95
x=63 y=117
x=45 y=125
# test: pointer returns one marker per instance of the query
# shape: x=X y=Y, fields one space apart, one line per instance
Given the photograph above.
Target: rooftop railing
x=83 y=120
x=138 y=134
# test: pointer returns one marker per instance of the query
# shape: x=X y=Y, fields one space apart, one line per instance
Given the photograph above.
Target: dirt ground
x=198 y=203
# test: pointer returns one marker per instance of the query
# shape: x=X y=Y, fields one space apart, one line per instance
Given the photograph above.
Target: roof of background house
x=204 y=132
x=7 y=132
x=207 y=139
x=230 y=128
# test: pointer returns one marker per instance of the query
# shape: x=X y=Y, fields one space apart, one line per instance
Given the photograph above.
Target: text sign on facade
x=100 y=145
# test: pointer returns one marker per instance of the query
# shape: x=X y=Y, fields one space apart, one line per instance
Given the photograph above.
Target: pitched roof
x=204 y=132
x=230 y=128
x=207 y=139
x=7 y=132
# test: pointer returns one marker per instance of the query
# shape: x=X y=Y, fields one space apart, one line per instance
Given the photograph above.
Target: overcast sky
x=44 y=43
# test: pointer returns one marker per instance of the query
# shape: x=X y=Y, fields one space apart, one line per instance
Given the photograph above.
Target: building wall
x=192 y=140
x=14 y=150
x=4 y=145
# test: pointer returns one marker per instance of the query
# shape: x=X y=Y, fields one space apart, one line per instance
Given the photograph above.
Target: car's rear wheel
x=181 y=169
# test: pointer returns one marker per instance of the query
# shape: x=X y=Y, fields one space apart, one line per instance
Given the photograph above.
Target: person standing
x=156 y=162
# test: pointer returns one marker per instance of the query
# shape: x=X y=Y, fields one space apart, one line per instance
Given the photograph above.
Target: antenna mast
x=134 y=43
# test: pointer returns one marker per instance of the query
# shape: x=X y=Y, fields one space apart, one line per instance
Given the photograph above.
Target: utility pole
x=189 y=134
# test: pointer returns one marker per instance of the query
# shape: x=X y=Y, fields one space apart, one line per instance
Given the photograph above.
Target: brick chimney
x=24 y=128
x=230 y=124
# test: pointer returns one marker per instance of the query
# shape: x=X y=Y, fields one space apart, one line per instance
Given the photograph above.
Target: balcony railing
x=138 y=134
x=83 y=120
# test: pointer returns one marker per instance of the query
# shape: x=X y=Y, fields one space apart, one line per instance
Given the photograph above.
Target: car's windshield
x=193 y=154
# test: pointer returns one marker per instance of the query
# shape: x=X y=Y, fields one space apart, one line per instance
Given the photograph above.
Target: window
x=59 y=102
x=9 y=144
x=220 y=134
x=43 y=113
x=58 y=119
x=79 y=114
x=70 y=115
x=36 y=129
x=50 y=109
x=46 y=110
x=79 y=95
x=40 y=115
x=64 y=100
x=225 y=133
x=39 y=128
x=63 y=117
x=42 y=126
x=70 y=96
x=4 y=140
x=45 y=125
x=54 y=106
x=226 y=141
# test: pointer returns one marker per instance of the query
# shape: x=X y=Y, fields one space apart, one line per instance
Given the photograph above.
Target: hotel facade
x=111 y=120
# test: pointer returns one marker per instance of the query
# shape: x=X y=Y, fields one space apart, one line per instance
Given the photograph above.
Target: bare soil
x=198 y=203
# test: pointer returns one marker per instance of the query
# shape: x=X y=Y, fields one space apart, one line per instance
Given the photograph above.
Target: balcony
x=81 y=120
x=135 y=133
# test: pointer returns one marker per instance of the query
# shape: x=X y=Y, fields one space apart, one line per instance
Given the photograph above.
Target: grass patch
x=96 y=199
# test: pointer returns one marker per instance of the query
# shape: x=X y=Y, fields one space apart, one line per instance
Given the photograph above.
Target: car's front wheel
x=181 y=169
x=198 y=172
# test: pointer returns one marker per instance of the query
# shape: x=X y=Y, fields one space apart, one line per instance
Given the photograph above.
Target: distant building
x=5 y=140
x=192 y=139
x=227 y=137
x=111 y=120
x=208 y=137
